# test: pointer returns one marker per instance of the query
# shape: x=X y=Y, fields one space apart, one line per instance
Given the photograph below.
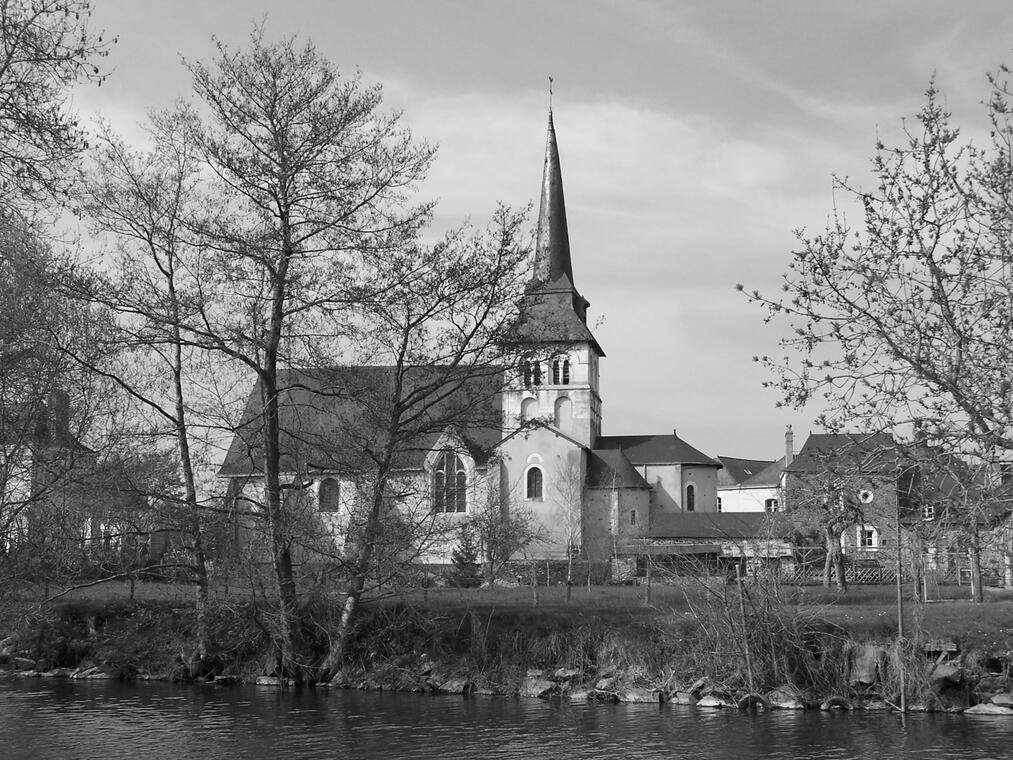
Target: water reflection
x=61 y=719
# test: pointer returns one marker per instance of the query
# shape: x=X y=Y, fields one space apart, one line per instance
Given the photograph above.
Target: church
x=540 y=452
x=623 y=487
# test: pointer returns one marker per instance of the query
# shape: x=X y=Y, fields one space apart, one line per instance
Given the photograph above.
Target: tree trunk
x=974 y=557
x=335 y=657
x=835 y=560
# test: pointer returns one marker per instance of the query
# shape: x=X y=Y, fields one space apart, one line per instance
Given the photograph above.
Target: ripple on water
x=69 y=720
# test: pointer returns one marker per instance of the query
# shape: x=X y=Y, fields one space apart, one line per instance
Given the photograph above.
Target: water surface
x=66 y=720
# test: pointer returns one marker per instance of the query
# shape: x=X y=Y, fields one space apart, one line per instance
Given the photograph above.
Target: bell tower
x=558 y=378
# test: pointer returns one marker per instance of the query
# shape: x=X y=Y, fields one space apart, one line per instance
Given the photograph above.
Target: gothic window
x=450 y=483
x=534 y=484
x=329 y=496
x=690 y=498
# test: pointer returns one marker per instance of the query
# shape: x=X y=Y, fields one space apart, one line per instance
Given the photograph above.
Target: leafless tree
x=905 y=317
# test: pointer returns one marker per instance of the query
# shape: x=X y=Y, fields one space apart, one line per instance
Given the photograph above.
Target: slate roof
x=709 y=525
x=549 y=315
x=865 y=453
x=333 y=418
x=656 y=449
x=610 y=468
x=736 y=472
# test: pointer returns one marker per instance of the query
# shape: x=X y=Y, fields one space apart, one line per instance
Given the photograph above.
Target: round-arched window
x=534 y=484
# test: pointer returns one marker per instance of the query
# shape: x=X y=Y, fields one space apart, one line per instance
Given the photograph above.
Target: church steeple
x=552 y=246
x=553 y=311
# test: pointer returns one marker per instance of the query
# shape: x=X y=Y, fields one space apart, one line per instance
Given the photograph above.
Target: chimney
x=789 y=447
x=674 y=434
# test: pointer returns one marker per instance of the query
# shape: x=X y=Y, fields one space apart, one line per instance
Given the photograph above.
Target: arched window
x=529 y=408
x=450 y=483
x=690 y=498
x=534 y=484
x=561 y=372
x=329 y=495
x=531 y=372
x=633 y=517
x=564 y=414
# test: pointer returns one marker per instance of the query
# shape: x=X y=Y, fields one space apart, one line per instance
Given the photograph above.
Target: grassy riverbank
x=491 y=638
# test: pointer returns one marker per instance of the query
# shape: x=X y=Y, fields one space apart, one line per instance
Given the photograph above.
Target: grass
x=866 y=612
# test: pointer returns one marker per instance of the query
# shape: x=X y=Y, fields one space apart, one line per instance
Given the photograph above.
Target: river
x=67 y=720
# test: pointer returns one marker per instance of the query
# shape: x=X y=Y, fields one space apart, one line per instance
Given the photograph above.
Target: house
x=751 y=485
x=61 y=506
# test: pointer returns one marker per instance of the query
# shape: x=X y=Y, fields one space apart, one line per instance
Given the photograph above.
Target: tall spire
x=552 y=246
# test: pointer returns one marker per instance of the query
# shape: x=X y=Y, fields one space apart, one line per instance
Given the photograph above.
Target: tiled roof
x=709 y=525
x=609 y=468
x=736 y=471
x=334 y=418
x=656 y=449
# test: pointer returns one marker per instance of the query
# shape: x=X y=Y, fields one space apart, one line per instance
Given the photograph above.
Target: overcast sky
x=693 y=136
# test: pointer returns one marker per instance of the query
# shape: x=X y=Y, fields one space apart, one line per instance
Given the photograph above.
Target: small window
x=534 y=484
x=719 y=503
x=868 y=537
x=690 y=498
x=536 y=373
x=770 y=505
x=329 y=496
x=929 y=512
x=526 y=373
x=633 y=517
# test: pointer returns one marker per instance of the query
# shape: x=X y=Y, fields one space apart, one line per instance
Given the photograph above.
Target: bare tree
x=441 y=318
x=151 y=287
x=905 y=317
x=504 y=528
x=45 y=47
x=313 y=182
